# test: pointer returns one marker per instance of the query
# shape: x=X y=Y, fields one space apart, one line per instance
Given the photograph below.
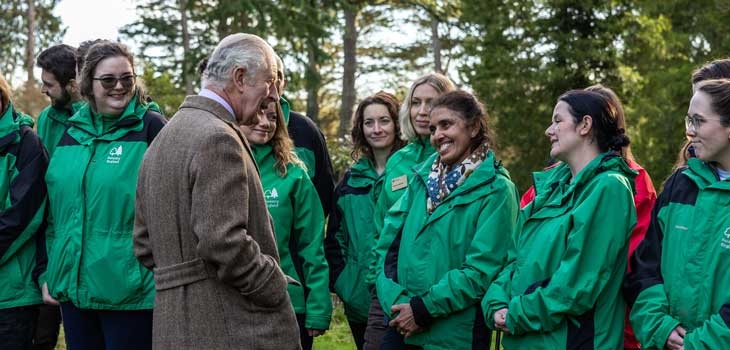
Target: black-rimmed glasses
x=109 y=82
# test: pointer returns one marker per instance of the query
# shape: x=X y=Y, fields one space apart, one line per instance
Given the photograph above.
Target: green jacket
x=443 y=263
x=52 y=122
x=22 y=205
x=350 y=239
x=399 y=170
x=680 y=274
x=91 y=181
x=562 y=281
x=299 y=228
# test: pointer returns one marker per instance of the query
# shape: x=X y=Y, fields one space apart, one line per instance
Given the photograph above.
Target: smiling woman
x=298 y=219
x=679 y=279
x=447 y=237
x=106 y=295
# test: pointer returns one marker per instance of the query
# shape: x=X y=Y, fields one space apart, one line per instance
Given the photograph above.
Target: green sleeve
x=650 y=315
x=497 y=296
x=461 y=288
x=380 y=210
x=390 y=292
x=308 y=222
x=596 y=244
x=712 y=334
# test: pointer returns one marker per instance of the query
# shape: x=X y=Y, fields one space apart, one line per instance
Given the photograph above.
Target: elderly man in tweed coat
x=201 y=220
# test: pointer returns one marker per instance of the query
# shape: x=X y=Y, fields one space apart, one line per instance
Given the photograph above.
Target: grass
x=338 y=337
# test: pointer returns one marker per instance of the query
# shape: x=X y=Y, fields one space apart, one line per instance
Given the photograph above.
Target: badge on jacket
x=398 y=183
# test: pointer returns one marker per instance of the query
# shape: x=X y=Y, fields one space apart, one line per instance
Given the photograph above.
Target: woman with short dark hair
x=561 y=285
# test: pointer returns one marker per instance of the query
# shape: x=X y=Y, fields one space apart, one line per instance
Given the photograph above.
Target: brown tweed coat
x=201 y=223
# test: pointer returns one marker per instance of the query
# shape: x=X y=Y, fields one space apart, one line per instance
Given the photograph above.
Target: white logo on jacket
x=115 y=155
x=725 y=243
x=272 y=198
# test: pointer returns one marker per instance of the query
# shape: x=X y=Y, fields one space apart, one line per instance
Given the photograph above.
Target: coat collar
x=704 y=175
x=82 y=127
x=555 y=188
x=10 y=123
x=362 y=173
x=211 y=106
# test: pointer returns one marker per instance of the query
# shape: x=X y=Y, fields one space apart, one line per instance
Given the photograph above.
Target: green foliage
x=13 y=36
x=525 y=54
x=340 y=149
x=160 y=86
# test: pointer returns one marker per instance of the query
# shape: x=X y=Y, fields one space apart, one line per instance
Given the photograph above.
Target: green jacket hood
x=701 y=173
x=362 y=173
x=481 y=176
x=10 y=123
x=130 y=120
x=559 y=177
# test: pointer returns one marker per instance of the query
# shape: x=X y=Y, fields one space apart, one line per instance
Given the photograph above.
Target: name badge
x=398 y=183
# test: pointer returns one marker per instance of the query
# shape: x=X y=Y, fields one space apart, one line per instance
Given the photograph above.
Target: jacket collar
x=362 y=173
x=484 y=174
x=704 y=175
x=82 y=123
x=10 y=123
x=62 y=115
x=554 y=187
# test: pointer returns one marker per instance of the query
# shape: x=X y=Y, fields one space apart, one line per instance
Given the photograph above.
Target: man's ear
x=72 y=86
x=586 y=125
x=239 y=78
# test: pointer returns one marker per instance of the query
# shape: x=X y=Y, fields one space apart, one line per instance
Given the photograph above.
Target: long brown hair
x=360 y=145
x=282 y=145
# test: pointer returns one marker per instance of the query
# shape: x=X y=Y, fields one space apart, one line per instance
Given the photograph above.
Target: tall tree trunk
x=349 y=69
x=30 y=46
x=436 y=45
x=186 y=66
x=313 y=80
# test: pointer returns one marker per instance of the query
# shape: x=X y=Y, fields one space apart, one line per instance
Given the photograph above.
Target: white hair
x=237 y=50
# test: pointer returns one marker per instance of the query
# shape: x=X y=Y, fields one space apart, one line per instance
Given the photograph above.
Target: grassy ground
x=338 y=337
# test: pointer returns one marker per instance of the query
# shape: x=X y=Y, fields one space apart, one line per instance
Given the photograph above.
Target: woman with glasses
x=679 y=281
x=106 y=295
x=350 y=232
x=298 y=219
x=561 y=285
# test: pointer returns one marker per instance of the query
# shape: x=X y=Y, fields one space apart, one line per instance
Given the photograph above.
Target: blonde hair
x=436 y=80
x=6 y=94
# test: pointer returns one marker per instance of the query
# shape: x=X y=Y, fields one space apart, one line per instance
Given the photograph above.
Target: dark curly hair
x=60 y=60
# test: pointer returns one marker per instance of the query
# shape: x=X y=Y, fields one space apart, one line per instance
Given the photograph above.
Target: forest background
x=516 y=56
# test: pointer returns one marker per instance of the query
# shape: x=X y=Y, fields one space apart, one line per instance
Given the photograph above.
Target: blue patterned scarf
x=443 y=179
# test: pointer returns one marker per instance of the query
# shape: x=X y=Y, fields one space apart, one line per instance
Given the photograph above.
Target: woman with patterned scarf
x=446 y=238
